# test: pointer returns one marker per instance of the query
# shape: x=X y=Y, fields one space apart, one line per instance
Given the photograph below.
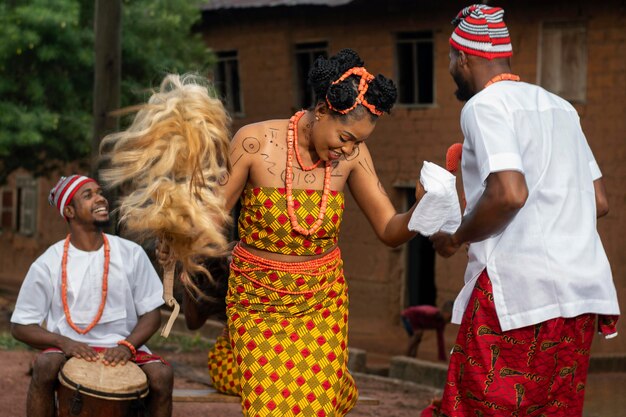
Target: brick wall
x=18 y=251
x=376 y=274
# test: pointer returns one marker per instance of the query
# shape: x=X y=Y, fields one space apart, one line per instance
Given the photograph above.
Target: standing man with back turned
x=537 y=276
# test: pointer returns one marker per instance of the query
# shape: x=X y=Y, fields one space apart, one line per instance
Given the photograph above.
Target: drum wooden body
x=93 y=389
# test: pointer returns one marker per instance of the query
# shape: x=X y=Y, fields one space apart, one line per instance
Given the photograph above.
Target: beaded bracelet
x=130 y=346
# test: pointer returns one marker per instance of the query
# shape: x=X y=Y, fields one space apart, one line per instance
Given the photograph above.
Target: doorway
x=420 y=277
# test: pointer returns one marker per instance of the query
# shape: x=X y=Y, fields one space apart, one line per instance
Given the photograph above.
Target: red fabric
x=607 y=325
x=532 y=371
x=141 y=358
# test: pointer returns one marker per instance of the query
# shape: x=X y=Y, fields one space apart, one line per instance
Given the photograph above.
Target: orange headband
x=366 y=78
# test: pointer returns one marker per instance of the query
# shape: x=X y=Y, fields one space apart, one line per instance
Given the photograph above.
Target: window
x=6 y=213
x=563 y=60
x=415 y=67
x=226 y=78
x=306 y=54
x=26 y=215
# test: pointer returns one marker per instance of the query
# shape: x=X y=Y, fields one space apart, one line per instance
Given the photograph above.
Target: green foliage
x=180 y=342
x=7 y=342
x=160 y=42
x=46 y=71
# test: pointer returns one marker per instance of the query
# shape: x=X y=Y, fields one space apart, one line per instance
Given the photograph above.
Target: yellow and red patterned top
x=264 y=223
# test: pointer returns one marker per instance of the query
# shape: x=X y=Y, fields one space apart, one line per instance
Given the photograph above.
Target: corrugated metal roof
x=248 y=4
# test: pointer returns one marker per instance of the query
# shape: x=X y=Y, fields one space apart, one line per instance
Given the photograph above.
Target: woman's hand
x=419 y=191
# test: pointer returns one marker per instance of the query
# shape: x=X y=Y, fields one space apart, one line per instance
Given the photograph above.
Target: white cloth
x=134 y=288
x=549 y=261
x=439 y=209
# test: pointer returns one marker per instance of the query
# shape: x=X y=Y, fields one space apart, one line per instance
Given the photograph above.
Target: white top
x=549 y=261
x=134 y=289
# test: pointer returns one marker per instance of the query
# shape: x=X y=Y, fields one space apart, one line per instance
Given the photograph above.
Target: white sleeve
x=491 y=135
x=147 y=287
x=591 y=160
x=35 y=296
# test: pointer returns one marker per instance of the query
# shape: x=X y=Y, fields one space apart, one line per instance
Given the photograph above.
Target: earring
x=317 y=118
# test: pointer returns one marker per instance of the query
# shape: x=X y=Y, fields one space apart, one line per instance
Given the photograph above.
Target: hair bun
x=382 y=93
x=347 y=58
x=323 y=72
x=341 y=96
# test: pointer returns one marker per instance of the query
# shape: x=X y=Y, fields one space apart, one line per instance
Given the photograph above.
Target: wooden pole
x=107 y=73
x=106 y=85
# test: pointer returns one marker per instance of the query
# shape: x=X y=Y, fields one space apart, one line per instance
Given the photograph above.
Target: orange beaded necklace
x=295 y=142
x=105 y=276
x=292 y=142
x=502 y=77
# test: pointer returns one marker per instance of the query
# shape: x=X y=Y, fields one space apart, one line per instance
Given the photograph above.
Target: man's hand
x=445 y=244
x=117 y=355
x=79 y=350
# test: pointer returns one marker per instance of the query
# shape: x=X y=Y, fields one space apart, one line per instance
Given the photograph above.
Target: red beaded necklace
x=502 y=77
x=292 y=143
x=105 y=276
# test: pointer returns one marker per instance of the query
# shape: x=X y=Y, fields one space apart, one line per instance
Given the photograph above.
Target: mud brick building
x=574 y=48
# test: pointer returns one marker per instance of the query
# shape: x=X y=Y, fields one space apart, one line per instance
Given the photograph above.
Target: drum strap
x=125 y=396
x=168 y=297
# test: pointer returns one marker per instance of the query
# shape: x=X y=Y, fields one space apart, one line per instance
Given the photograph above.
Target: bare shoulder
x=249 y=130
x=363 y=178
x=362 y=159
x=255 y=135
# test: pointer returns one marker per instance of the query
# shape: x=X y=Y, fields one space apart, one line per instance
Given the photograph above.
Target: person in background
x=418 y=318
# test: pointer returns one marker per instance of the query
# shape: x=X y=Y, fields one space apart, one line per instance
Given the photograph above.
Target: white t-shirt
x=134 y=288
x=549 y=261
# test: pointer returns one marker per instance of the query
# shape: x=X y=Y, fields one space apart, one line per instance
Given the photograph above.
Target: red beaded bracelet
x=129 y=345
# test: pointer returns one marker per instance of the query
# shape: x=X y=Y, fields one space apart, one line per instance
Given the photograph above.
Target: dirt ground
x=396 y=398
x=604 y=393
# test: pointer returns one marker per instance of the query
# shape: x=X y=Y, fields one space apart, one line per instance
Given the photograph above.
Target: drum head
x=120 y=382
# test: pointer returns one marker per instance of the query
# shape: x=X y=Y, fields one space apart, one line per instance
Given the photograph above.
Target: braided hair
x=381 y=91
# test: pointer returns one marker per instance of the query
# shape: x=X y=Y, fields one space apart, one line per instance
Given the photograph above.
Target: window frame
x=7 y=208
x=301 y=48
x=580 y=25
x=418 y=37
x=26 y=205
x=226 y=58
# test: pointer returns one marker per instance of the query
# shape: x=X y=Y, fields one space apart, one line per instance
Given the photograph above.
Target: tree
x=46 y=71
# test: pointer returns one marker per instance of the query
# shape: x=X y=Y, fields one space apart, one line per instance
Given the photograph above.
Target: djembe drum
x=93 y=389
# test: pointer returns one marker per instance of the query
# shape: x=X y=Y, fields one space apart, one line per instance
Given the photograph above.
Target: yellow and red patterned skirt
x=286 y=353
x=537 y=370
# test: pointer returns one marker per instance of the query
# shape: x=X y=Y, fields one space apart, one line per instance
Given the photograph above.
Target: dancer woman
x=284 y=351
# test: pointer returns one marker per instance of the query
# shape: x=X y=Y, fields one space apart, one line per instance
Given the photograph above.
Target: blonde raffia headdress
x=168 y=163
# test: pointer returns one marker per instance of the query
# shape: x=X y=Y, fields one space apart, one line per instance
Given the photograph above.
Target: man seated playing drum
x=99 y=296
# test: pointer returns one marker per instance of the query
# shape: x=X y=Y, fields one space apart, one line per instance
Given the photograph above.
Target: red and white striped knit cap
x=62 y=193
x=481 y=31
